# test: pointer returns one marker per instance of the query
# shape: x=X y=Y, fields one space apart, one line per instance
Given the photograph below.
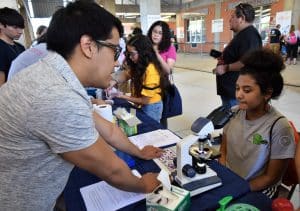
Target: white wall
x=8 y=3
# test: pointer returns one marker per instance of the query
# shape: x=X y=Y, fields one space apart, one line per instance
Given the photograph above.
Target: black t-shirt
x=275 y=36
x=7 y=54
x=243 y=42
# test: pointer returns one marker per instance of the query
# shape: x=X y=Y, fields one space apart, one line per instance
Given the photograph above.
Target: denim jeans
x=153 y=110
x=227 y=102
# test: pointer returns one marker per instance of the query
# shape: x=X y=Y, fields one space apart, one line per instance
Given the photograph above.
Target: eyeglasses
x=132 y=54
x=117 y=48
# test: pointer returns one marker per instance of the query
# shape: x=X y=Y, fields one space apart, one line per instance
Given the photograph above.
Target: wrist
x=227 y=69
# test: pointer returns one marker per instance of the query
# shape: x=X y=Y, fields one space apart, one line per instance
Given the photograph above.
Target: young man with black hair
x=11 y=28
x=246 y=39
x=51 y=126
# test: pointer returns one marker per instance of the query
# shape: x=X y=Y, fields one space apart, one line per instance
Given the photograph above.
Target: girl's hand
x=155 y=48
x=120 y=95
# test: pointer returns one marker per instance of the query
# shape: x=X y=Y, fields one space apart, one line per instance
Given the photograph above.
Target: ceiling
x=45 y=8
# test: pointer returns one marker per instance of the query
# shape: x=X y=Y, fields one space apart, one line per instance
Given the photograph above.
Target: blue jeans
x=227 y=102
x=153 y=110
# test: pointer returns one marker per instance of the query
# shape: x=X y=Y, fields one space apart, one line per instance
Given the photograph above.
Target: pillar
x=217 y=34
x=108 y=5
x=149 y=12
x=296 y=14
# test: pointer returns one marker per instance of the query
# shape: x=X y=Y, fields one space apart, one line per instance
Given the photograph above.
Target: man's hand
x=220 y=69
x=149 y=152
x=150 y=182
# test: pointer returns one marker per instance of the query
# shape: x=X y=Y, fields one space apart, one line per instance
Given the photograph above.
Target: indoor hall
x=192 y=71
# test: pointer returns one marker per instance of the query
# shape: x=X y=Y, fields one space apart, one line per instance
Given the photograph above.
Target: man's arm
x=100 y=160
x=222 y=69
x=2 y=78
x=113 y=135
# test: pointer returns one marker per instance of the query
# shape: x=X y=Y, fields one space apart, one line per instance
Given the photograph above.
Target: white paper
x=102 y=196
x=157 y=138
x=163 y=176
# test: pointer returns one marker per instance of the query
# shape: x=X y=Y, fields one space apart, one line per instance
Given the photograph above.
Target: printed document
x=157 y=138
x=102 y=196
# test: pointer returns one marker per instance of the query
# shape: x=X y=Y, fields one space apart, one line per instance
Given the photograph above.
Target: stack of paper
x=103 y=197
x=157 y=138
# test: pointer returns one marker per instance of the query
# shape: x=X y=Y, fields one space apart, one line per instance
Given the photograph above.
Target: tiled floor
x=193 y=77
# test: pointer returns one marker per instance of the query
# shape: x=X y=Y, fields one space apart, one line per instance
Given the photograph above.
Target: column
x=296 y=14
x=150 y=12
x=294 y=6
x=108 y=5
x=217 y=34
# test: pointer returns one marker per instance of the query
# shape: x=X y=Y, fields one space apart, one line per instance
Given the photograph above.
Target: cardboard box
x=127 y=121
x=128 y=130
x=161 y=199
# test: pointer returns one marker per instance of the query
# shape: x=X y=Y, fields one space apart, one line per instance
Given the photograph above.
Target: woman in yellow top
x=146 y=76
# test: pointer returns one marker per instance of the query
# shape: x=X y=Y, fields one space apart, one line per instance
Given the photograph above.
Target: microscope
x=192 y=153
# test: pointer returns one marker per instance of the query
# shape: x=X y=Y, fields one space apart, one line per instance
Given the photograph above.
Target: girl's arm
x=297 y=161
x=166 y=65
x=136 y=100
x=223 y=151
x=272 y=174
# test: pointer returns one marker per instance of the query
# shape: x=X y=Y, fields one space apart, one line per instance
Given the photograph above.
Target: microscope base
x=200 y=186
x=200 y=183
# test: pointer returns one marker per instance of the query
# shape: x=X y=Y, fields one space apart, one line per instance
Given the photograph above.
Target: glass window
x=126 y=2
x=262 y=21
x=196 y=31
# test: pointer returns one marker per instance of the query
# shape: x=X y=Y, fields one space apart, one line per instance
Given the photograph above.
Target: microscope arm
x=182 y=152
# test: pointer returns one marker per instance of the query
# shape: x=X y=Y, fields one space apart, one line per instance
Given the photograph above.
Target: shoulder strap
x=149 y=88
x=271 y=130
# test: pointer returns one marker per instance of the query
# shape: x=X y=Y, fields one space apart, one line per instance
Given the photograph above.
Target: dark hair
x=292 y=28
x=265 y=67
x=246 y=10
x=137 y=30
x=11 y=17
x=79 y=18
x=165 y=43
x=41 y=29
x=42 y=39
x=147 y=55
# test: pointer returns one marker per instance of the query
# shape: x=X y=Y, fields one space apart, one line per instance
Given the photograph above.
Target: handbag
x=172 y=102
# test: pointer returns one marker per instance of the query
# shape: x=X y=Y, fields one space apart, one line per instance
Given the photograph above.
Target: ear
x=86 y=44
x=268 y=94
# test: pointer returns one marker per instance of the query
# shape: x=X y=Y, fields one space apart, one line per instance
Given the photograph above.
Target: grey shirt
x=44 y=111
x=248 y=143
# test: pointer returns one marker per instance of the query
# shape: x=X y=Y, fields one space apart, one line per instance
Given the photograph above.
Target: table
x=232 y=184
